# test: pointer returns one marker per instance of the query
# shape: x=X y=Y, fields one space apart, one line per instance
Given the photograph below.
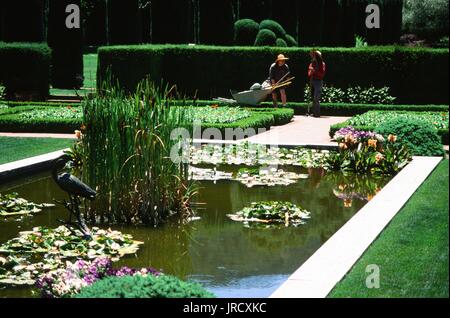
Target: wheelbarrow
x=254 y=97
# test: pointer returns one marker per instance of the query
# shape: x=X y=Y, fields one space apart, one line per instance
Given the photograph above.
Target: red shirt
x=317 y=72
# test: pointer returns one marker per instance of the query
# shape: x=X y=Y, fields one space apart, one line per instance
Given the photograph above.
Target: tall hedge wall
x=25 y=69
x=66 y=44
x=22 y=21
x=415 y=76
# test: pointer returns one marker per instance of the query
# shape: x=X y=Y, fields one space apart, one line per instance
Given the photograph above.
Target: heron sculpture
x=76 y=189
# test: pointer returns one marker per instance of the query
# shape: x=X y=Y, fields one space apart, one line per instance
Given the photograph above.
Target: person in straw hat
x=316 y=74
x=277 y=71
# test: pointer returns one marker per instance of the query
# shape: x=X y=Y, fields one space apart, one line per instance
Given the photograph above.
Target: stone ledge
x=28 y=166
x=331 y=262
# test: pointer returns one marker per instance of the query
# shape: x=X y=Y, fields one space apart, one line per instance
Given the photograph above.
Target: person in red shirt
x=316 y=74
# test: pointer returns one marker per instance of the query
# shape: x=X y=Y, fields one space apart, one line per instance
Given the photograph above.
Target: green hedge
x=11 y=121
x=415 y=75
x=25 y=69
x=163 y=286
x=44 y=104
x=262 y=118
x=337 y=109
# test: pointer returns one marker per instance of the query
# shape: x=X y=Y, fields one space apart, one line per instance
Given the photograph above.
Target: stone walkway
x=302 y=131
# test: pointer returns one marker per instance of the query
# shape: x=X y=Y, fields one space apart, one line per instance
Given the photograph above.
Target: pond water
x=226 y=257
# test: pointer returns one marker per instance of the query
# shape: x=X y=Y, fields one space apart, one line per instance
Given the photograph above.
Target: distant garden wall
x=415 y=75
x=25 y=69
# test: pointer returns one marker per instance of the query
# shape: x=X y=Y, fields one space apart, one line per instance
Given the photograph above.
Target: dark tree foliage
x=310 y=22
x=22 y=21
x=124 y=22
x=286 y=13
x=336 y=22
x=95 y=24
x=171 y=21
x=257 y=10
x=66 y=45
x=216 y=22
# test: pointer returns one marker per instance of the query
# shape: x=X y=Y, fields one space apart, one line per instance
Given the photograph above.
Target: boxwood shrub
x=281 y=43
x=25 y=69
x=265 y=37
x=245 y=32
x=420 y=138
x=163 y=286
x=214 y=70
x=273 y=26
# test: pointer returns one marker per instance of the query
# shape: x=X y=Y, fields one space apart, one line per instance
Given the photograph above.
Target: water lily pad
x=33 y=253
x=11 y=205
x=272 y=213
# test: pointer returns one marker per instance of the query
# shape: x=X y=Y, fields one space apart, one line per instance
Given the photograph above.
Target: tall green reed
x=126 y=147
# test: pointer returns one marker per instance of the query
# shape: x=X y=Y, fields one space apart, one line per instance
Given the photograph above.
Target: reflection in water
x=229 y=259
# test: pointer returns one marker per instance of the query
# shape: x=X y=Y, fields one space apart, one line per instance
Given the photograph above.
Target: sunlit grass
x=412 y=252
x=13 y=148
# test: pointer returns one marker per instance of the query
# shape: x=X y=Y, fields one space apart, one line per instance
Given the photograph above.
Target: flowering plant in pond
x=351 y=187
x=367 y=152
x=65 y=282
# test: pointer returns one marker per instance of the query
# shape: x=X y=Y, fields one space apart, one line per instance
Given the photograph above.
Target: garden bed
x=66 y=119
x=370 y=120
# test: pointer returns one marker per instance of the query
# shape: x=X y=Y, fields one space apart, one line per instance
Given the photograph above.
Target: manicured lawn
x=90 y=70
x=90 y=78
x=412 y=253
x=12 y=149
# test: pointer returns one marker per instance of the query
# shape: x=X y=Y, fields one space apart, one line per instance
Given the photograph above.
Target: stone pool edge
x=28 y=166
x=317 y=277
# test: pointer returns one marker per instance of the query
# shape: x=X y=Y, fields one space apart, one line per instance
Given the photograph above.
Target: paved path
x=33 y=135
x=302 y=131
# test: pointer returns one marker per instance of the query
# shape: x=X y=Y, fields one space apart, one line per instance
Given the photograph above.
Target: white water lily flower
x=115 y=246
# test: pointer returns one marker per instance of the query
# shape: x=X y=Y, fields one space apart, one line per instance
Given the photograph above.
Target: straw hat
x=281 y=57
x=316 y=53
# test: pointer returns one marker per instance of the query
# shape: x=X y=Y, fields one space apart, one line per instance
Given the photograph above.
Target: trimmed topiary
x=265 y=38
x=420 y=138
x=273 y=26
x=150 y=286
x=245 y=32
x=281 y=43
x=291 y=41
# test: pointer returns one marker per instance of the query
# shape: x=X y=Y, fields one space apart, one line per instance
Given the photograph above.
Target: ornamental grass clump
x=127 y=145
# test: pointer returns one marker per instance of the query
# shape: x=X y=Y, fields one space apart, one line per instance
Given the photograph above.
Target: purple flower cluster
x=357 y=135
x=68 y=281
